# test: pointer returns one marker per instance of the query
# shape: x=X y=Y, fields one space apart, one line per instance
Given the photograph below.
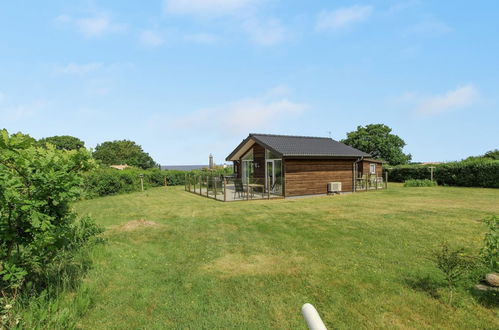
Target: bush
x=419 y=183
x=106 y=181
x=38 y=230
x=478 y=172
x=455 y=265
x=490 y=251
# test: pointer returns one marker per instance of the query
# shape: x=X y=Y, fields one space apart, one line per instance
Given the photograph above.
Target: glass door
x=273 y=175
x=277 y=187
x=269 y=176
x=247 y=172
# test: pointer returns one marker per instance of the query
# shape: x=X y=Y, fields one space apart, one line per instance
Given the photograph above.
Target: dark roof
x=374 y=160
x=306 y=146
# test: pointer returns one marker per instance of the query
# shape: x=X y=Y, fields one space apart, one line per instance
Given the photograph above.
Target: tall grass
x=61 y=299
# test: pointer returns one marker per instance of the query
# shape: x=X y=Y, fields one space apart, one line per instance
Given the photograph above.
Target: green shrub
x=478 y=172
x=106 y=181
x=490 y=251
x=39 y=233
x=455 y=266
x=419 y=183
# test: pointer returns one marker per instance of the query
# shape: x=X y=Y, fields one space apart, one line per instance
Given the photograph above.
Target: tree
x=492 y=154
x=377 y=140
x=123 y=152
x=63 y=142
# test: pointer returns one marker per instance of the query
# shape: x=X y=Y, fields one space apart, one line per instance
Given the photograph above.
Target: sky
x=186 y=78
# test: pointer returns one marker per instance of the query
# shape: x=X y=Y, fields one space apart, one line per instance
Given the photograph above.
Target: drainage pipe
x=312 y=317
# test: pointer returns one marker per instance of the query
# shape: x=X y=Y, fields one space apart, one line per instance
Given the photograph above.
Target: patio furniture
x=256 y=187
x=240 y=189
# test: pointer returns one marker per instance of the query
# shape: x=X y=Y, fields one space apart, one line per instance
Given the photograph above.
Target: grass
x=361 y=259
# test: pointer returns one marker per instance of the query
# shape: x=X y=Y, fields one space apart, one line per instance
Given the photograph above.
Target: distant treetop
x=63 y=142
x=378 y=141
x=123 y=152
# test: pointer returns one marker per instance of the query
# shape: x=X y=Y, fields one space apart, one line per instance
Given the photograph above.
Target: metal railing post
x=200 y=185
x=247 y=189
x=215 y=183
x=225 y=189
x=268 y=189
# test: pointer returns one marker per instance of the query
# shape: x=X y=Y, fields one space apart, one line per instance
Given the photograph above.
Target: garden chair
x=240 y=189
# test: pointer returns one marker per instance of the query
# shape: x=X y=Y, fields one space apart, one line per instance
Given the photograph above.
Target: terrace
x=229 y=189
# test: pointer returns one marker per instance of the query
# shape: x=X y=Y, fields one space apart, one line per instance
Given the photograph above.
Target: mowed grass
x=358 y=258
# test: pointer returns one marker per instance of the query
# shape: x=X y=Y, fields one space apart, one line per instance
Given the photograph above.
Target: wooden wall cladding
x=308 y=177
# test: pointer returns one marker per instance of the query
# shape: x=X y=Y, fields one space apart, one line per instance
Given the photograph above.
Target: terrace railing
x=370 y=183
x=228 y=188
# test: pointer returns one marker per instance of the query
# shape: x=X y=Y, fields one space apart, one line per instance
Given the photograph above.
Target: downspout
x=355 y=167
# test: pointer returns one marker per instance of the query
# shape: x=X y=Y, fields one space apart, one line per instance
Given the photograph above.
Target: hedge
x=480 y=172
x=109 y=181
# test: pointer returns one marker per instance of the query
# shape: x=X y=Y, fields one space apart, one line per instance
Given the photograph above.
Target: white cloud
x=458 y=98
x=21 y=112
x=79 y=69
x=96 y=25
x=245 y=115
x=151 y=38
x=256 y=114
x=430 y=28
x=202 y=38
x=342 y=17
x=265 y=33
x=403 y=5
x=2 y=97
x=207 y=7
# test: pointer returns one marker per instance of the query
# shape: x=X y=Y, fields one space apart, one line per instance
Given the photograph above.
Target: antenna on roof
x=329 y=134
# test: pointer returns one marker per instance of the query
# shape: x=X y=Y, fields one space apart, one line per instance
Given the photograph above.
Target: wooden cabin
x=301 y=165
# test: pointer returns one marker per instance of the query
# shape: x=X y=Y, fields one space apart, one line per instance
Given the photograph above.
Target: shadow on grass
x=425 y=284
x=432 y=287
x=488 y=299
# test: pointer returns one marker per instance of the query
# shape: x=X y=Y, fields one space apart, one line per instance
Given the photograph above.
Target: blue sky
x=184 y=78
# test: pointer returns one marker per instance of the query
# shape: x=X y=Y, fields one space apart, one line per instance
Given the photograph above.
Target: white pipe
x=311 y=316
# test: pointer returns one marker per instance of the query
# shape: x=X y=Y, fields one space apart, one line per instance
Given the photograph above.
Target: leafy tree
x=123 y=152
x=37 y=225
x=493 y=154
x=63 y=142
x=377 y=140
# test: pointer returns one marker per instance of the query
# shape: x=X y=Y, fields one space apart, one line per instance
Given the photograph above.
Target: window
x=248 y=156
x=372 y=168
x=271 y=155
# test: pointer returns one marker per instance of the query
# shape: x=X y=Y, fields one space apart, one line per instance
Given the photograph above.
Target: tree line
x=118 y=152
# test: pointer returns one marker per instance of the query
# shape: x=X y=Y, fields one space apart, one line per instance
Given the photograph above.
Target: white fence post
x=311 y=316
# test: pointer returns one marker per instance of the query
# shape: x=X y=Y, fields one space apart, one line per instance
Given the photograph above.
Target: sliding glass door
x=273 y=175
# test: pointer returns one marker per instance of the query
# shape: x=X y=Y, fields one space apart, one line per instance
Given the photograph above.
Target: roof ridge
x=293 y=136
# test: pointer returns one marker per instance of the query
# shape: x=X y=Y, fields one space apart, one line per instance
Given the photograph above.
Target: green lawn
x=361 y=259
